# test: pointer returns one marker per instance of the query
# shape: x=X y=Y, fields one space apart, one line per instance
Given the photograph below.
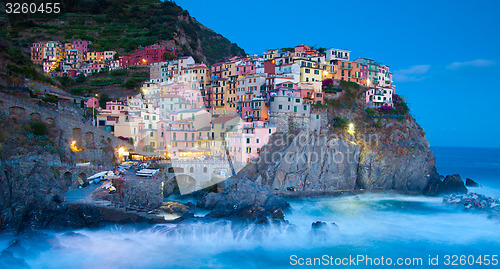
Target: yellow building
x=310 y=71
x=220 y=126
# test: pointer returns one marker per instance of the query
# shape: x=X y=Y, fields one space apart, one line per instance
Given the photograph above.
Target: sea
x=370 y=230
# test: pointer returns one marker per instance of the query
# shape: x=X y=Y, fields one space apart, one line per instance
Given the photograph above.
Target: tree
x=38 y=128
x=168 y=56
x=103 y=98
x=80 y=78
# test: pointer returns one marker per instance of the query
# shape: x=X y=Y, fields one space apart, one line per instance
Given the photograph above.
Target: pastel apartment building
x=377 y=97
x=246 y=142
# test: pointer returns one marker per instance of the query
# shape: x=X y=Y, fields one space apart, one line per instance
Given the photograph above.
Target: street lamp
x=350 y=129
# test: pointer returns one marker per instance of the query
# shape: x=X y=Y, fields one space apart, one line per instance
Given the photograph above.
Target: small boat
x=99 y=175
x=146 y=172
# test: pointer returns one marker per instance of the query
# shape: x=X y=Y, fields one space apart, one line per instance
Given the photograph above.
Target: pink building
x=93 y=102
x=245 y=144
x=193 y=97
x=283 y=91
x=176 y=136
x=245 y=67
x=80 y=45
x=147 y=55
x=377 y=97
x=114 y=107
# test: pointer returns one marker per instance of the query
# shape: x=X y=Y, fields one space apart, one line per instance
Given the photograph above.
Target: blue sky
x=445 y=55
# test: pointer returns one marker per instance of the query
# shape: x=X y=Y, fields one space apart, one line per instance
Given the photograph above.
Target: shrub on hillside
x=38 y=128
x=387 y=110
x=103 y=98
x=327 y=83
x=118 y=72
x=132 y=83
x=339 y=122
x=400 y=105
x=370 y=111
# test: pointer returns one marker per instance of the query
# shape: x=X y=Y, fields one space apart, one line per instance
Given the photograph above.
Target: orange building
x=350 y=71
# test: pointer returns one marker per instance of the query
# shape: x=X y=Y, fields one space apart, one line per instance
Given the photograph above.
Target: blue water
x=383 y=224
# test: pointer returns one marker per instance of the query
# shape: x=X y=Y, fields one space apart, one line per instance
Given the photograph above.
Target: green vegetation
x=400 y=105
x=50 y=98
x=38 y=127
x=66 y=82
x=132 y=83
x=103 y=98
x=122 y=25
x=118 y=73
x=169 y=56
x=105 y=81
x=370 y=111
x=141 y=75
x=28 y=137
x=339 y=122
x=18 y=63
x=80 y=79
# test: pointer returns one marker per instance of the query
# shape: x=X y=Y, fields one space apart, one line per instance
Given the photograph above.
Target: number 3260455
x=25 y=8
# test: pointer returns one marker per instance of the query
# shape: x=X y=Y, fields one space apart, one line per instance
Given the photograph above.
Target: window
x=308 y=70
x=248 y=140
x=305 y=108
x=297 y=100
x=249 y=150
x=257 y=141
x=279 y=107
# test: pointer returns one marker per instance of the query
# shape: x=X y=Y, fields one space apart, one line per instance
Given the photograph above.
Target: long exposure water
x=373 y=225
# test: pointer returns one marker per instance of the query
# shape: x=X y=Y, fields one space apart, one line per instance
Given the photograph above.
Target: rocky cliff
x=332 y=162
x=383 y=151
x=33 y=197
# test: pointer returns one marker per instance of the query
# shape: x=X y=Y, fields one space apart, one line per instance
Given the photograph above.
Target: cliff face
x=397 y=157
x=31 y=196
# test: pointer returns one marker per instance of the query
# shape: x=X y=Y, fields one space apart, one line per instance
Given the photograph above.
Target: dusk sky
x=444 y=55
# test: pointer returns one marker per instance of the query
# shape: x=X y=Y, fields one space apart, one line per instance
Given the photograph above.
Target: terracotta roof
x=223 y=119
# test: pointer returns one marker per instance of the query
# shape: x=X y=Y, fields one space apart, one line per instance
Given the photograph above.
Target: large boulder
x=244 y=199
x=174 y=208
x=450 y=184
x=471 y=183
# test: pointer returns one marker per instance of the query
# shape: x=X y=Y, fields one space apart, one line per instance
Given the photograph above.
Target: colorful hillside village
x=192 y=110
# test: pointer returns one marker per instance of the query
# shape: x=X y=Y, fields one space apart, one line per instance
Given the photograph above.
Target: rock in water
x=471 y=183
x=318 y=225
x=174 y=208
x=450 y=184
x=453 y=184
x=8 y=260
x=244 y=199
